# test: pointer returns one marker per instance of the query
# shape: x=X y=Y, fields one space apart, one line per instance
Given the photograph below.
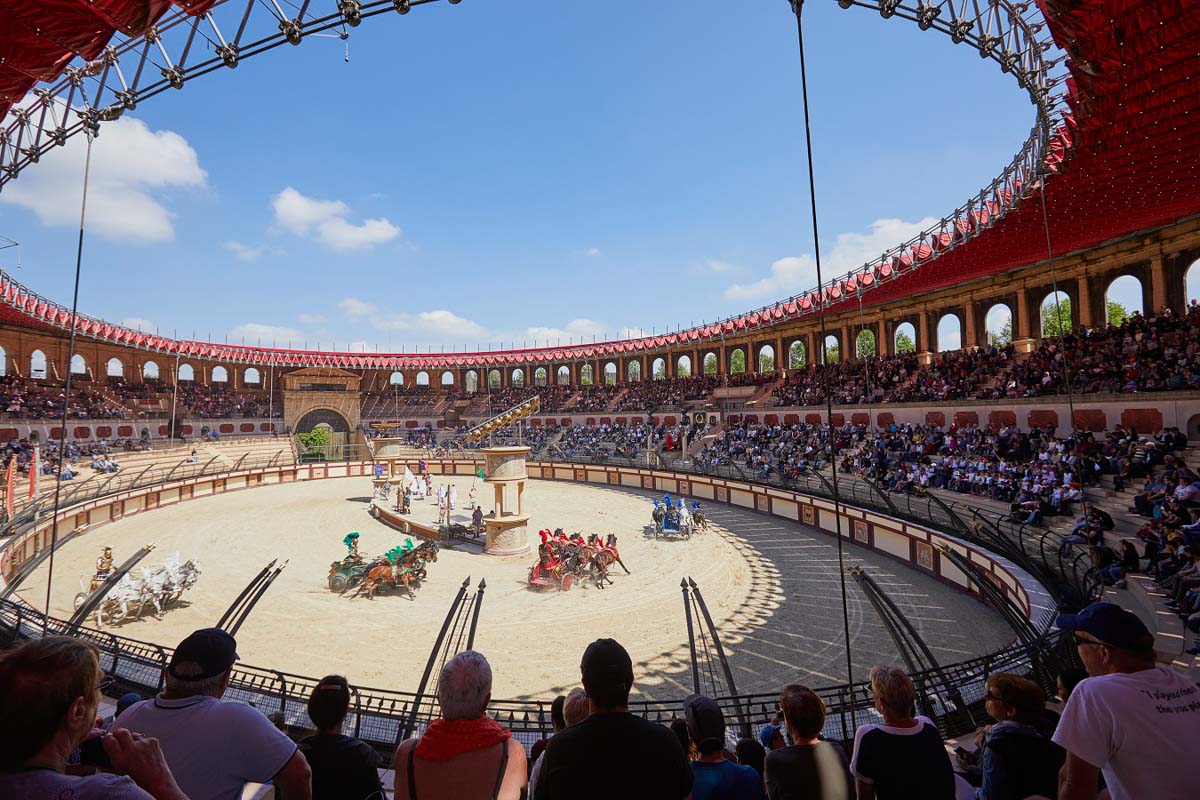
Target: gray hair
x=576 y=707
x=182 y=687
x=464 y=686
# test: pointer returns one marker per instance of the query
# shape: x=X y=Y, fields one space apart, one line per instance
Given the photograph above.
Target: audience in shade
x=464 y=753
x=1018 y=758
x=810 y=768
x=214 y=747
x=902 y=757
x=342 y=766
x=715 y=777
x=1131 y=720
x=574 y=708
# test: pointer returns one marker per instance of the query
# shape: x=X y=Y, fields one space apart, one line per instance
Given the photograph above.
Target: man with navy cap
x=214 y=747
x=1131 y=719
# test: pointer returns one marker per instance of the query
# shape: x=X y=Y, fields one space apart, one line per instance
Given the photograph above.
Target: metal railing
x=378 y=714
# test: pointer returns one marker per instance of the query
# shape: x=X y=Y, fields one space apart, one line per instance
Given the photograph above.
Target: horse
x=384 y=572
x=604 y=558
x=699 y=521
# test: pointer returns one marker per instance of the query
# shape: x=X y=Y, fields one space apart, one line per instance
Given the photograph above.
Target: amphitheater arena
x=217 y=461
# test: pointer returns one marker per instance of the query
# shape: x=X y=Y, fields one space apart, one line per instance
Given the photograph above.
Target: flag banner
x=10 y=489
x=35 y=470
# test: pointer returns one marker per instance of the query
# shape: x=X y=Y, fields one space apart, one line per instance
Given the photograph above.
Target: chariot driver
x=351 y=542
x=104 y=568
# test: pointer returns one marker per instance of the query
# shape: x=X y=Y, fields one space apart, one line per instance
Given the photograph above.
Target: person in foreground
x=810 y=769
x=342 y=766
x=464 y=755
x=904 y=758
x=612 y=753
x=215 y=747
x=1136 y=722
x=715 y=777
x=1019 y=760
x=49 y=694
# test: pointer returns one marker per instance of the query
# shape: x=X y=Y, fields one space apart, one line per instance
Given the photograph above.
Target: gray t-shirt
x=45 y=784
x=213 y=747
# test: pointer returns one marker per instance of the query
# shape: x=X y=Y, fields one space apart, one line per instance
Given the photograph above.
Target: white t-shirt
x=213 y=747
x=1142 y=729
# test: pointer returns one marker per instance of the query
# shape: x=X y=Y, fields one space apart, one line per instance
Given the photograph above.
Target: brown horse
x=385 y=573
x=600 y=563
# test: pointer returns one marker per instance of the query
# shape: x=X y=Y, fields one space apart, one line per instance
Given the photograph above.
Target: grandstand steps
x=1144 y=598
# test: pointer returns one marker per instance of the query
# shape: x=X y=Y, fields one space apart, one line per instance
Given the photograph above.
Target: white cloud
x=713 y=265
x=326 y=221
x=255 y=332
x=592 y=252
x=577 y=330
x=356 y=309
x=359 y=347
x=244 y=252
x=139 y=324
x=311 y=319
x=440 y=324
x=131 y=166
x=792 y=275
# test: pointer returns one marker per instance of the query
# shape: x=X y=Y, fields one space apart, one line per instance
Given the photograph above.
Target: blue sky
x=515 y=172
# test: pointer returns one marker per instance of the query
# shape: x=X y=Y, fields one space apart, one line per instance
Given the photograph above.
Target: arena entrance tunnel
x=337 y=444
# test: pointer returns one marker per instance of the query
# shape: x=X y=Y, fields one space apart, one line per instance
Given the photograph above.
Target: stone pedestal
x=504 y=471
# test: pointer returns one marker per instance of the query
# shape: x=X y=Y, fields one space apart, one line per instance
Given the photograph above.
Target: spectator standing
x=713 y=776
x=1136 y=722
x=342 y=766
x=751 y=753
x=612 y=753
x=574 y=708
x=49 y=694
x=903 y=758
x=1019 y=760
x=465 y=754
x=810 y=769
x=214 y=747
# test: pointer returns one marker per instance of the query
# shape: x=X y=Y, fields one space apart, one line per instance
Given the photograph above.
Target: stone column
x=970 y=324
x=883 y=338
x=1159 y=293
x=1087 y=315
x=849 y=348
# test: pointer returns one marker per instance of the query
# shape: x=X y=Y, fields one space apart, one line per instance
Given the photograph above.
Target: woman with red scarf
x=464 y=755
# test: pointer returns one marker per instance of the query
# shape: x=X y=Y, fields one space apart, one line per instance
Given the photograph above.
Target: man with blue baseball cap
x=1136 y=722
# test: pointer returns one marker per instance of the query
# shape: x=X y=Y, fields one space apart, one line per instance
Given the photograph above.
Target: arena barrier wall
x=378 y=714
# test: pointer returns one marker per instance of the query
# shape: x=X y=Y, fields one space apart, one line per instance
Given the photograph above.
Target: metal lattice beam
x=182 y=48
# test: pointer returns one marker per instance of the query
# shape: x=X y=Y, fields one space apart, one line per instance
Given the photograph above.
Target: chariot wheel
x=80 y=599
x=338 y=583
x=568 y=580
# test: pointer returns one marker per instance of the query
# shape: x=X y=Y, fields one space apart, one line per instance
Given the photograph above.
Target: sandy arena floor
x=772 y=589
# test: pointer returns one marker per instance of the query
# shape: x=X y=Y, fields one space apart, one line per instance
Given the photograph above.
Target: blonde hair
x=893 y=689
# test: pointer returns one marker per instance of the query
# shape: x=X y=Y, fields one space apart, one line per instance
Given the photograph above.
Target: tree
x=1056 y=317
x=766 y=363
x=316 y=439
x=737 y=362
x=585 y=375
x=865 y=344
x=796 y=356
x=1117 y=313
x=710 y=364
x=833 y=352
x=683 y=369
x=660 y=369
x=904 y=343
x=1002 y=338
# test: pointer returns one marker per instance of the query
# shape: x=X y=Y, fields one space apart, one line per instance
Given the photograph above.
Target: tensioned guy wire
x=797 y=9
x=62 y=433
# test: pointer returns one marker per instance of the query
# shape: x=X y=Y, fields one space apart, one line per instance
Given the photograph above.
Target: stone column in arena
x=504 y=469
